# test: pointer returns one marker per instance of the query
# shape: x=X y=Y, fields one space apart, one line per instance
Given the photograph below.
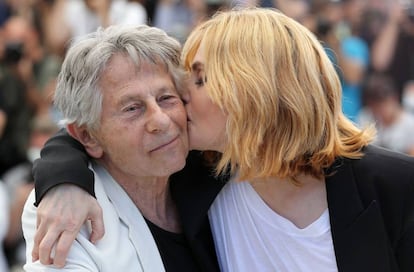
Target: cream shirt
x=126 y=246
x=4 y=222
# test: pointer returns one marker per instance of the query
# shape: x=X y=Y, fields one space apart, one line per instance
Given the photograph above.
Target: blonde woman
x=306 y=190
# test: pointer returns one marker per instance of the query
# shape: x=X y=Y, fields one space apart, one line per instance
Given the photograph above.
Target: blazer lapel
x=358 y=233
x=193 y=190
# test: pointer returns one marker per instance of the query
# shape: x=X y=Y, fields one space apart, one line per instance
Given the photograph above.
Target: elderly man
x=126 y=79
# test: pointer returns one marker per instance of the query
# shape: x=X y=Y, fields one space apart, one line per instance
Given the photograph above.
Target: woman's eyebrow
x=197 y=65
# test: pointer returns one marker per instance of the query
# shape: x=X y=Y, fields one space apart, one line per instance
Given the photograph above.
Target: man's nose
x=158 y=120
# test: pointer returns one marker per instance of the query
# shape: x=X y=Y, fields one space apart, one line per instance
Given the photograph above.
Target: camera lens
x=410 y=13
x=13 y=52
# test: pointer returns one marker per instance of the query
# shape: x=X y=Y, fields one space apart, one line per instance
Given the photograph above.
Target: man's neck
x=153 y=198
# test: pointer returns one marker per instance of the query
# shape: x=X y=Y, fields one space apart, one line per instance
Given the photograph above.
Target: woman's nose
x=185 y=96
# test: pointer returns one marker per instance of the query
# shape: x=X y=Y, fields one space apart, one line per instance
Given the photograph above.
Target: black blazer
x=370 y=201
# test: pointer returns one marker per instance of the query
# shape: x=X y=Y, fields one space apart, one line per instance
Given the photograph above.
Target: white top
x=250 y=236
x=126 y=246
x=82 y=21
x=4 y=223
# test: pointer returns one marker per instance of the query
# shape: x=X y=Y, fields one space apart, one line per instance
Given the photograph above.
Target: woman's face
x=206 y=121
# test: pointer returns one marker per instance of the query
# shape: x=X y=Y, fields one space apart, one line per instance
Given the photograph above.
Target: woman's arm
x=63 y=160
x=64 y=195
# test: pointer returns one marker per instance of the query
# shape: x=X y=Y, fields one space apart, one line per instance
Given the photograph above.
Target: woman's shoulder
x=381 y=160
x=383 y=172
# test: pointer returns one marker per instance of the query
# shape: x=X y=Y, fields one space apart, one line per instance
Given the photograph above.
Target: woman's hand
x=60 y=215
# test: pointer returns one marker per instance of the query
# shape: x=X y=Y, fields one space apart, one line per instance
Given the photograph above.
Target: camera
x=410 y=13
x=13 y=52
x=408 y=6
x=323 y=26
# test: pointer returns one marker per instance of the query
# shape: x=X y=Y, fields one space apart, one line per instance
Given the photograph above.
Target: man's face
x=143 y=129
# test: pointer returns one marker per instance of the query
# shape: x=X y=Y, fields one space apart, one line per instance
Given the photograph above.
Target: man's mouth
x=164 y=144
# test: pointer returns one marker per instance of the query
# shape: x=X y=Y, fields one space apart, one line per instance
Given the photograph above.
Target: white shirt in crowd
x=82 y=21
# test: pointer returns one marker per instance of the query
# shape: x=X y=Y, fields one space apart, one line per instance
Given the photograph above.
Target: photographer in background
x=64 y=20
x=338 y=24
x=394 y=123
x=15 y=96
x=392 y=50
x=27 y=74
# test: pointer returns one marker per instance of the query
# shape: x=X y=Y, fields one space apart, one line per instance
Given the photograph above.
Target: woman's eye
x=200 y=81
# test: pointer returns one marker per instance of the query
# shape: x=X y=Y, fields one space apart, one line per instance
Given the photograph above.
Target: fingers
x=40 y=233
x=96 y=218
x=57 y=219
x=44 y=240
x=60 y=217
x=53 y=240
x=43 y=251
x=62 y=247
x=50 y=238
x=46 y=246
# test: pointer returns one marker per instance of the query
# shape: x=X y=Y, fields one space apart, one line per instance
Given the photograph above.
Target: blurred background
x=371 y=43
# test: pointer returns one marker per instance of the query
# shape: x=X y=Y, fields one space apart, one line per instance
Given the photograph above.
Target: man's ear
x=84 y=136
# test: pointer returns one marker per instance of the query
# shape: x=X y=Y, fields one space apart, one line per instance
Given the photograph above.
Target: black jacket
x=370 y=201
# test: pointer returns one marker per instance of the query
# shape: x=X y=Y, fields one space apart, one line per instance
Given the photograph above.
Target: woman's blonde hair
x=280 y=91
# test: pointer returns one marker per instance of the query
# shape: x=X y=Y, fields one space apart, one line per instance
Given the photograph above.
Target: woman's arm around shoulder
x=64 y=195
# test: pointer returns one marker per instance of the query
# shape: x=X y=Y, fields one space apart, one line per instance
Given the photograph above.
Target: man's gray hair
x=77 y=93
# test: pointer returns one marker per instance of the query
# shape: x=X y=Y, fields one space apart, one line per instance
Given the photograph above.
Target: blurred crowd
x=371 y=42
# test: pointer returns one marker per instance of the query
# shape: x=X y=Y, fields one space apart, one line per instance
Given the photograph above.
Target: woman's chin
x=197 y=144
x=203 y=142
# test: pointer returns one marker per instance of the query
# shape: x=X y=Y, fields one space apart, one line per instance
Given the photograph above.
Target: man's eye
x=168 y=100
x=131 y=108
x=166 y=97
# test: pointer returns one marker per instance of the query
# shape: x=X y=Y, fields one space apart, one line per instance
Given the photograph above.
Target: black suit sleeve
x=63 y=160
x=405 y=247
